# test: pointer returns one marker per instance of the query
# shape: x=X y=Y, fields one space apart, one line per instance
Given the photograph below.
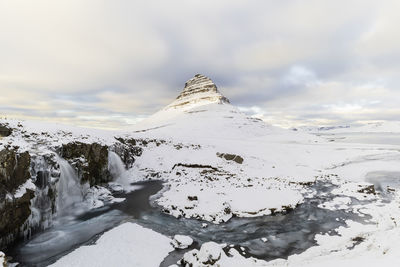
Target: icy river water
x=287 y=234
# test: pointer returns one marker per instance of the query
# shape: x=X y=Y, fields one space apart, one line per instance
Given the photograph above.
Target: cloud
x=110 y=63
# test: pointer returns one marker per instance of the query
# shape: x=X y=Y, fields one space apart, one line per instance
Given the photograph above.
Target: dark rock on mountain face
x=14 y=171
x=91 y=161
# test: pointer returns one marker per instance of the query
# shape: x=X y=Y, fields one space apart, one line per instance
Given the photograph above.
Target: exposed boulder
x=181 y=241
x=208 y=255
x=367 y=189
x=231 y=157
x=91 y=161
x=5 y=130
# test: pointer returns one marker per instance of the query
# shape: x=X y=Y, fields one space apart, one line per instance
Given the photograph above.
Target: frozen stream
x=286 y=234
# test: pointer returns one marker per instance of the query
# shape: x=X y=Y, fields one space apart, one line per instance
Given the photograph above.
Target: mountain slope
x=207 y=150
x=201 y=112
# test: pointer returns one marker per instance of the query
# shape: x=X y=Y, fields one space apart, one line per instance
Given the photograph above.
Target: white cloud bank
x=108 y=63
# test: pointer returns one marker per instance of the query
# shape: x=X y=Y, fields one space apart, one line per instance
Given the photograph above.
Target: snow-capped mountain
x=202 y=112
x=198 y=90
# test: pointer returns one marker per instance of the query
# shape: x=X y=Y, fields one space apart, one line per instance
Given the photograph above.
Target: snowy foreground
x=218 y=163
x=126 y=245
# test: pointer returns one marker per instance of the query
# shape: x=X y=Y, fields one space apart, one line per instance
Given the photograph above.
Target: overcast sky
x=108 y=63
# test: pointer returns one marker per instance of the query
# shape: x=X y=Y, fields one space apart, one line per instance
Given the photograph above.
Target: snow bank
x=212 y=254
x=126 y=245
x=218 y=203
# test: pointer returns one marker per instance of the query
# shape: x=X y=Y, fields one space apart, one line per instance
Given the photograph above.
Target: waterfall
x=115 y=165
x=119 y=173
x=69 y=190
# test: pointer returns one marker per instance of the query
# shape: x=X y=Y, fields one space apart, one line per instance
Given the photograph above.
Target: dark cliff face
x=91 y=161
x=14 y=171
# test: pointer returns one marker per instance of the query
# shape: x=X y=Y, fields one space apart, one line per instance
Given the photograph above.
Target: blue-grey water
x=287 y=234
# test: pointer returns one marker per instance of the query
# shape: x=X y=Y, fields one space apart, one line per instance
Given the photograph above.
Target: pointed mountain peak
x=199 y=90
x=199 y=83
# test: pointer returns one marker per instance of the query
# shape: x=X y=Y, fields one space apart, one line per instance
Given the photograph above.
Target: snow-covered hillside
x=204 y=133
x=218 y=164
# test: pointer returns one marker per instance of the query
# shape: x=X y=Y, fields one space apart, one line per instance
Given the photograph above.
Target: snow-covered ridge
x=199 y=89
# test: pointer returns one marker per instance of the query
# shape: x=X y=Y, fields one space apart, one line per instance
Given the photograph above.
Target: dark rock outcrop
x=127 y=150
x=236 y=158
x=367 y=189
x=14 y=171
x=5 y=130
x=14 y=217
x=91 y=161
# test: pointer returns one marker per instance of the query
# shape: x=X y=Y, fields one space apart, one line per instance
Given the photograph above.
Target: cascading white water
x=119 y=173
x=69 y=190
x=115 y=165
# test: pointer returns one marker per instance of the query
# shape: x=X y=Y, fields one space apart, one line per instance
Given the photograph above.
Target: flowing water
x=286 y=233
x=115 y=165
x=70 y=232
x=70 y=192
